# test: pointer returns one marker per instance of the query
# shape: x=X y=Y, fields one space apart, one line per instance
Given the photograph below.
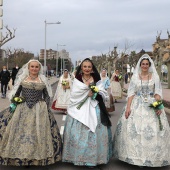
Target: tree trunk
x=168 y=65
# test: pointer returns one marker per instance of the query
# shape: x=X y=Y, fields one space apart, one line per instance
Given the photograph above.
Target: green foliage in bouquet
x=14 y=102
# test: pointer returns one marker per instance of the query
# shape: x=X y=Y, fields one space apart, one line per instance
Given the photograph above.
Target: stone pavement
x=4 y=103
x=165 y=92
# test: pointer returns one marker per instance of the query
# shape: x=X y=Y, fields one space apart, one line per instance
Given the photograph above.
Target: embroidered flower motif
x=133 y=132
x=165 y=163
x=148 y=163
x=148 y=133
x=130 y=161
x=119 y=127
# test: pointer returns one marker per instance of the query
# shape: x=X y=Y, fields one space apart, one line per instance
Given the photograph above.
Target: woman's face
x=117 y=71
x=144 y=66
x=34 y=68
x=86 y=67
x=65 y=74
x=103 y=73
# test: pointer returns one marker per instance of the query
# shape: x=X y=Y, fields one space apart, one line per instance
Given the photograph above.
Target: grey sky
x=88 y=27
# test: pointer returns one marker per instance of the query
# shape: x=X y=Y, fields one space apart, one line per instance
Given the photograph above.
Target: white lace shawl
x=87 y=113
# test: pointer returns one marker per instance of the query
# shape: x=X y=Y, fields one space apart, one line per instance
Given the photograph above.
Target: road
x=113 y=164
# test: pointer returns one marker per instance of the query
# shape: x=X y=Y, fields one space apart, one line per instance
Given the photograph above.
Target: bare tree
x=158 y=36
x=9 y=35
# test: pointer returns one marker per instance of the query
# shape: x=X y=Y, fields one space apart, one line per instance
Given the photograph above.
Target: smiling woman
x=142 y=133
x=29 y=135
x=87 y=133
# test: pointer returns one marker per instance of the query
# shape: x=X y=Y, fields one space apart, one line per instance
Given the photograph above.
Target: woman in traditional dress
x=30 y=135
x=62 y=96
x=106 y=83
x=87 y=134
x=142 y=134
x=116 y=89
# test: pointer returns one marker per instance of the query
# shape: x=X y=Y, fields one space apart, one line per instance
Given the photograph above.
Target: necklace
x=86 y=79
x=32 y=78
x=144 y=75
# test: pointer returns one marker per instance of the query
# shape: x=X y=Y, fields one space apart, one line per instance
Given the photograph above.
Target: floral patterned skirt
x=83 y=147
x=138 y=140
x=29 y=136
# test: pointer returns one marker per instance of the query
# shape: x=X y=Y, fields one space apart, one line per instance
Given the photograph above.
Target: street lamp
x=58 y=57
x=45 y=57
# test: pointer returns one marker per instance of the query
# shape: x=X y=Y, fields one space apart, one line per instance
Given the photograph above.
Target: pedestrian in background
x=116 y=89
x=87 y=133
x=4 y=79
x=14 y=73
x=126 y=78
x=106 y=83
x=61 y=98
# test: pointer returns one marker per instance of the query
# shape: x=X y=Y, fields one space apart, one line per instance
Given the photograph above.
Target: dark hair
x=65 y=70
x=147 y=60
x=104 y=115
x=95 y=72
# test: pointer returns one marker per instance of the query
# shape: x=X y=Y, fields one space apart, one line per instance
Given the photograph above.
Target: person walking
x=29 y=134
x=116 y=89
x=14 y=73
x=87 y=134
x=126 y=78
x=61 y=98
x=106 y=83
x=4 y=79
x=142 y=134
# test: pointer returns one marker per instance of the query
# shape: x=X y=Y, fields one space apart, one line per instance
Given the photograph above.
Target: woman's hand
x=67 y=87
x=90 y=94
x=158 y=112
x=127 y=112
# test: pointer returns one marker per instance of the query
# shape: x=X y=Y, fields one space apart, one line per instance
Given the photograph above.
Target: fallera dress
x=30 y=135
x=62 y=97
x=116 y=89
x=82 y=146
x=138 y=140
x=109 y=103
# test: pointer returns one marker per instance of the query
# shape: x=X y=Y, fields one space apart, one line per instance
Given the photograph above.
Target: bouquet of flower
x=120 y=77
x=158 y=105
x=95 y=90
x=14 y=102
x=64 y=83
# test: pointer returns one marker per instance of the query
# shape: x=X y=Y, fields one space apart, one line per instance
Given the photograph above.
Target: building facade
x=53 y=54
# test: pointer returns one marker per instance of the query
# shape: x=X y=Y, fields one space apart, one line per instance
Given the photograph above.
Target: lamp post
x=45 y=54
x=58 y=57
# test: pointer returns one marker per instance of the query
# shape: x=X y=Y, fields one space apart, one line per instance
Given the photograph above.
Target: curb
x=167 y=110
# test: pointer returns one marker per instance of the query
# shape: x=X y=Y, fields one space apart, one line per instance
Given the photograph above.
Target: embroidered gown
x=30 y=136
x=138 y=140
x=62 y=97
x=109 y=103
x=83 y=147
